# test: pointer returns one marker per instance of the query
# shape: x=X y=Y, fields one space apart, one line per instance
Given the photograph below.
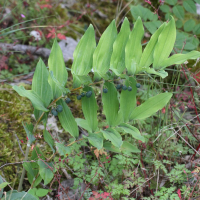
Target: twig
x=16 y=163
x=19 y=145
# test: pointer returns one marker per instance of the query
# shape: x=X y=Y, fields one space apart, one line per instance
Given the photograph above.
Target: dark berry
x=129 y=88
x=124 y=87
x=105 y=90
x=82 y=94
x=119 y=86
x=54 y=112
x=89 y=94
x=67 y=100
x=138 y=85
x=79 y=97
x=59 y=108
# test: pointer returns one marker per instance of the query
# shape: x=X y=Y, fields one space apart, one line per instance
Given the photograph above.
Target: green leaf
x=83 y=53
x=137 y=11
x=108 y=146
x=81 y=80
x=3 y=185
x=48 y=139
x=165 y=8
x=147 y=56
x=151 y=106
x=127 y=147
x=103 y=52
x=160 y=73
x=28 y=167
x=83 y=124
x=37 y=181
x=133 y=131
x=15 y=195
x=152 y=26
x=165 y=44
x=113 y=136
x=171 y=2
x=130 y=97
x=90 y=107
x=178 y=11
x=45 y=172
x=167 y=16
x=96 y=140
x=190 y=6
x=196 y=30
x=67 y=119
x=117 y=62
x=40 y=83
x=180 y=58
x=179 y=23
x=33 y=192
x=197 y=1
x=57 y=66
x=32 y=96
x=110 y=104
x=62 y=149
x=1 y=191
x=189 y=25
x=41 y=192
x=29 y=132
x=133 y=47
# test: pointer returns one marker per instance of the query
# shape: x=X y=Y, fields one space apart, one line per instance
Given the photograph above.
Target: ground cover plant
x=116 y=151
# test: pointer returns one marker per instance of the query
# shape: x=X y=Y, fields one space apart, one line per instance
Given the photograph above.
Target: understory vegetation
x=99 y=100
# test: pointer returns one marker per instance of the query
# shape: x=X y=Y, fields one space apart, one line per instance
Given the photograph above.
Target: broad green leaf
x=130 y=97
x=117 y=62
x=197 y=1
x=165 y=44
x=96 y=140
x=165 y=8
x=32 y=96
x=60 y=86
x=28 y=167
x=171 y=2
x=113 y=136
x=147 y=56
x=83 y=124
x=189 y=25
x=152 y=26
x=151 y=106
x=137 y=11
x=3 y=185
x=37 y=181
x=40 y=83
x=29 y=132
x=81 y=80
x=48 y=139
x=167 y=16
x=62 y=149
x=46 y=171
x=110 y=104
x=197 y=29
x=15 y=195
x=90 y=107
x=133 y=49
x=103 y=52
x=178 y=11
x=83 y=53
x=108 y=146
x=67 y=119
x=160 y=73
x=127 y=147
x=57 y=66
x=179 y=23
x=190 y=6
x=33 y=192
x=180 y=58
x=41 y=192
x=133 y=131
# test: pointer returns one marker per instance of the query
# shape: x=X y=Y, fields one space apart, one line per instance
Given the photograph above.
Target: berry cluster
x=123 y=87
x=56 y=110
x=87 y=94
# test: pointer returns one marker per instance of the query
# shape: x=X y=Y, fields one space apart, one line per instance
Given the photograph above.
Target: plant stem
x=23 y=170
